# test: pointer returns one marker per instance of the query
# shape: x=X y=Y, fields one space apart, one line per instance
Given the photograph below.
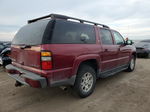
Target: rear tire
x=131 y=66
x=85 y=81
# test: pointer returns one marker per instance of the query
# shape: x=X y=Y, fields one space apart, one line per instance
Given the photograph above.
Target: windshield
x=31 y=34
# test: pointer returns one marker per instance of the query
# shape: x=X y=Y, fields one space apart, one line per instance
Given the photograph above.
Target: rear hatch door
x=26 y=56
x=26 y=45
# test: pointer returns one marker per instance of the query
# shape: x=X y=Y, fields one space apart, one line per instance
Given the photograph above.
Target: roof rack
x=58 y=16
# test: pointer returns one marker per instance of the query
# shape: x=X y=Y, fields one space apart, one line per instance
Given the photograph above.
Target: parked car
x=4 y=53
x=2 y=46
x=4 y=57
x=7 y=44
x=55 y=51
x=143 y=48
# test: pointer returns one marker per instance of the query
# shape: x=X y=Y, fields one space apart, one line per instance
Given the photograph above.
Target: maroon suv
x=58 y=50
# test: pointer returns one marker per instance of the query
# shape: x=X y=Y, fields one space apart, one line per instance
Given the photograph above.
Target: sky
x=130 y=17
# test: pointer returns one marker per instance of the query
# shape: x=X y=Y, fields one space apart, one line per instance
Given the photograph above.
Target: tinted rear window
x=67 y=32
x=31 y=34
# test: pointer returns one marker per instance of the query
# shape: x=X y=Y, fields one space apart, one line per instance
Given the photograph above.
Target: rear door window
x=68 y=32
x=106 y=37
x=31 y=34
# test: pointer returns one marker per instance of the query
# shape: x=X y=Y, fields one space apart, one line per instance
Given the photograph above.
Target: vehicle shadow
x=54 y=97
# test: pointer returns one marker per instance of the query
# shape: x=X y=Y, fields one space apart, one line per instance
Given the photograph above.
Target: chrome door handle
x=105 y=50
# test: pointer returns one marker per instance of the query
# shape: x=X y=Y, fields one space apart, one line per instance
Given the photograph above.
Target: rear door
x=110 y=51
x=124 y=50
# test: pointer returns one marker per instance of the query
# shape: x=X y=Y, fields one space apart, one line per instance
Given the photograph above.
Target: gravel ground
x=123 y=92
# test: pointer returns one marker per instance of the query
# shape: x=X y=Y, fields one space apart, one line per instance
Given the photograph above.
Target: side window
x=106 y=37
x=118 y=38
x=67 y=32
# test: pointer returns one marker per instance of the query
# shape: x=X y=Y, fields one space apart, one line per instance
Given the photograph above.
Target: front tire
x=85 y=81
x=131 y=66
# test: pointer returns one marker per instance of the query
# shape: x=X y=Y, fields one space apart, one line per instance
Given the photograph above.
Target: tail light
x=46 y=60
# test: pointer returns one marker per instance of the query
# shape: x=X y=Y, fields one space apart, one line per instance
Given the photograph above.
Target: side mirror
x=129 y=42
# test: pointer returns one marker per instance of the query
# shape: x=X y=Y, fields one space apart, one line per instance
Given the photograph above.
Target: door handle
x=105 y=50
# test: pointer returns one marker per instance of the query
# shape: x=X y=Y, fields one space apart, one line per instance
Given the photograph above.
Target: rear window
x=68 y=32
x=31 y=34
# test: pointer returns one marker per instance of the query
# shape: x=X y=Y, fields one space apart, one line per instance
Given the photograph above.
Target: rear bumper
x=25 y=77
x=142 y=51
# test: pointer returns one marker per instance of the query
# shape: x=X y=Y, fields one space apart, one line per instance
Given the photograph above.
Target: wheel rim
x=86 y=82
x=132 y=64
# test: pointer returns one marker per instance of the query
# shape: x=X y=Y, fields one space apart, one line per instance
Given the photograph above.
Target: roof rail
x=58 y=16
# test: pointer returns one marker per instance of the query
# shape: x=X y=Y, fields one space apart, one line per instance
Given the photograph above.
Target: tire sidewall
x=82 y=70
x=131 y=69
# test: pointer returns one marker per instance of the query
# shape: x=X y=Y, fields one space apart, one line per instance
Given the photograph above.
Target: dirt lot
x=123 y=92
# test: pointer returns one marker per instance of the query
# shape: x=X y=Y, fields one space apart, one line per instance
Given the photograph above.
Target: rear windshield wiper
x=25 y=46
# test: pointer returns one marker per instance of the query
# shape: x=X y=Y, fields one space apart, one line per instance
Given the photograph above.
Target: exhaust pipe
x=18 y=84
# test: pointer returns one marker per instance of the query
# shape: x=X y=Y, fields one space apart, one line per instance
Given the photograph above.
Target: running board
x=112 y=71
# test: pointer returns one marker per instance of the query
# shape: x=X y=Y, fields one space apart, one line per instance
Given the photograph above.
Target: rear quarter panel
x=67 y=57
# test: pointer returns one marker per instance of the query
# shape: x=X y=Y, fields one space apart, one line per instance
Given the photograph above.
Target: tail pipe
x=18 y=84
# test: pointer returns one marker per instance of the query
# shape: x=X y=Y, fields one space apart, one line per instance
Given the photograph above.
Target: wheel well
x=134 y=54
x=91 y=62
